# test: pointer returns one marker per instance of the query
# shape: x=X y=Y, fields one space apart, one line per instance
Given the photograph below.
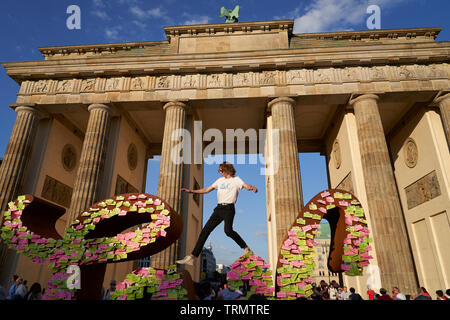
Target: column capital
x=102 y=106
x=441 y=96
x=29 y=107
x=366 y=96
x=280 y=100
x=178 y=104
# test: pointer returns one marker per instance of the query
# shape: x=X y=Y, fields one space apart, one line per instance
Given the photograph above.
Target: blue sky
x=27 y=25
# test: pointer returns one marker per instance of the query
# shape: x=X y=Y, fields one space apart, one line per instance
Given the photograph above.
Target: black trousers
x=221 y=213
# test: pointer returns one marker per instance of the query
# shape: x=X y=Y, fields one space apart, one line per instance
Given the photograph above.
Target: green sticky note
x=307 y=215
x=301 y=221
x=359 y=212
x=21 y=198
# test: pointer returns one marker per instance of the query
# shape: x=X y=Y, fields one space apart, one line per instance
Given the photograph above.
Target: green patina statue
x=230 y=15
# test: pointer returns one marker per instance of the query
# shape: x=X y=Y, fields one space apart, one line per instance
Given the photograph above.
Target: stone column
x=170 y=175
x=13 y=168
x=17 y=154
x=444 y=106
x=85 y=191
x=286 y=180
x=389 y=231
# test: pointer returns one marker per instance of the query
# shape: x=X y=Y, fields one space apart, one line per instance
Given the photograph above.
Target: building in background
x=208 y=266
x=222 y=269
x=321 y=271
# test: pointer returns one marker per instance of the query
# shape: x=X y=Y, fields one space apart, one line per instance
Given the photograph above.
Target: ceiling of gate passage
x=314 y=115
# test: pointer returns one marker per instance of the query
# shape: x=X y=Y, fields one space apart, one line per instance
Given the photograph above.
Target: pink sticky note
x=324 y=194
x=142 y=196
x=343 y=203
x=321 y=201
x=345 y=267
x=157 y=202
x=306 y=228
x=322 y=209
x=132 y=197
x=329 y=199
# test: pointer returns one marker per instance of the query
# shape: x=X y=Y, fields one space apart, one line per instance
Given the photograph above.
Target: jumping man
x=228 y=187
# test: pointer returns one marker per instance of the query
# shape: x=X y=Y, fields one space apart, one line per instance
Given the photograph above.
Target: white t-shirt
x=228 y=189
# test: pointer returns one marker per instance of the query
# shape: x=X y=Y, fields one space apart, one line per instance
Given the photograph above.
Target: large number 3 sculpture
x=94 y=239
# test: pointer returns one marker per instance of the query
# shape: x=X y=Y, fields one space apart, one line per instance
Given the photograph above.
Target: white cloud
x=98 y=3
x=112 y=33
x=144 y=14
x=335 y=15
x=101 y=14
x=139 y=24
x=194 y=19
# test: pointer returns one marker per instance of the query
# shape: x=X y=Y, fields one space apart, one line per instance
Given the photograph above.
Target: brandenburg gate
x=375 y=103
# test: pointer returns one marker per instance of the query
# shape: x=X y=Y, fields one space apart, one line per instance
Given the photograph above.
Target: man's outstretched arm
x=250 y=188
x=204 y=190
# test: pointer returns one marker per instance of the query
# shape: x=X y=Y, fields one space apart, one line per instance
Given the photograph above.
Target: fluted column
x=389 y=231
x=17 y=154
x=85 y=191
x=287 y=182
x=444 y=106
x=13 y=166
x=170 y=174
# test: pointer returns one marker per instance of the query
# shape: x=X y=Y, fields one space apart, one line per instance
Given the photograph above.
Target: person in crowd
x=345 y=295
x=325 y=296
x=440 y=295
x=13 y=287
x=332 y=291
x=423 y=294
x=370 y=293
x=384 y=295
x=35 y=292
x=205 y=291
x=21 y=290
x=447 y=292
x=227 y=187
x=229 y=294
x=323 y=287
x=397 y=295
x=354 y=296
x=316 y=292
x=112 y=288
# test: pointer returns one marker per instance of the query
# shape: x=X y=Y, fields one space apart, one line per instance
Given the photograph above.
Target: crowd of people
x=219 y=289
x=19 y=290
x=333 y=291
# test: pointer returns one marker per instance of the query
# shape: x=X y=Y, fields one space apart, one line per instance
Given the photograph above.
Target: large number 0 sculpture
x=94 y=239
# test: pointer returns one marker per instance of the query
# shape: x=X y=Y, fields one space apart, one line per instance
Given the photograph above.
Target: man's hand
x=250 y=188
x=186 y=190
